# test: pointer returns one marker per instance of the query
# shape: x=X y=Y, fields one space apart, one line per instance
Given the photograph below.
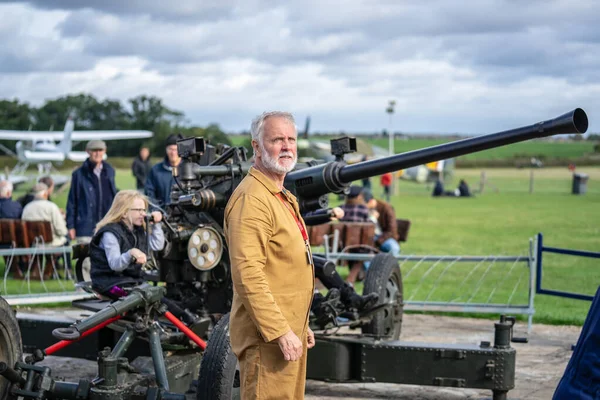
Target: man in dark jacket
x=92 y=192
x=141 y=167
x=160 y=179
x=9 y=208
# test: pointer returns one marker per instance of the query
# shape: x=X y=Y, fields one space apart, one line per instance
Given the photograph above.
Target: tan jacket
x=273 y=286
x=44 y=210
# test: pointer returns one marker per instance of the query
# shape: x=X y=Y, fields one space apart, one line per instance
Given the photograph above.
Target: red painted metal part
x=188 y=332
x=64 y=343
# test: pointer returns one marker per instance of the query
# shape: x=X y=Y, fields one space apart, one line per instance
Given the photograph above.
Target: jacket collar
x=90 y=167
x=262 y=178
x=166 y=164
x=272 y=187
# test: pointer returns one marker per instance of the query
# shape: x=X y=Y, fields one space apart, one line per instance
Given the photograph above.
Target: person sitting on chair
x=120 y=245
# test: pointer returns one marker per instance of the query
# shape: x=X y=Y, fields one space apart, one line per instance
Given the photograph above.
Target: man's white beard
x=272 y=165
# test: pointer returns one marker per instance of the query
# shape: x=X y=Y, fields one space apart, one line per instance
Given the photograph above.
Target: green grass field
x=536 y=148
x=499 y=221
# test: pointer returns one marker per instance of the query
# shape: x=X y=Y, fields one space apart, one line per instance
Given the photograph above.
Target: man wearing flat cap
x=160 y=179
x=92 y=192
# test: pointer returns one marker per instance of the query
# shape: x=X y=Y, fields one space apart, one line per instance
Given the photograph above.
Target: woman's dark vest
x=103 y=277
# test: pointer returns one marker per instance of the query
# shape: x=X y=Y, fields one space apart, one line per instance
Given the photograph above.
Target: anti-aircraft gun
x=195 y=263
x=196 y=269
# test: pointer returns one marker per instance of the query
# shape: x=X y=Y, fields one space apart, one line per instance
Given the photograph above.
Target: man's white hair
x=39 y=190
x=6 y=188
x=257 y=129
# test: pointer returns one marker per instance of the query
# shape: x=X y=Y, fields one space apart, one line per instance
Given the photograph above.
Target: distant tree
x=593 y=137
x=15 y=115
x=84 y=108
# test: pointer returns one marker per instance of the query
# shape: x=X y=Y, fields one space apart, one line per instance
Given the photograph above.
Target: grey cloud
x=497 y=35
x=264 y=36
x=182 y=10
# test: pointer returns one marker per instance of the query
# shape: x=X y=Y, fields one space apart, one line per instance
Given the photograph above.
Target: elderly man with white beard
x=272 y=268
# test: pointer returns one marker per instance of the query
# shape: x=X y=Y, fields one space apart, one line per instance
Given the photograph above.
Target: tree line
x=89 y=113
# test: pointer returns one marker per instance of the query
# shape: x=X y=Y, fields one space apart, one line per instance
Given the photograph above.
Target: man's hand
x=157 y=216
x=290 y=346
x=72 y=233
x=337 y=212
x=140 y=258
x=310 y=339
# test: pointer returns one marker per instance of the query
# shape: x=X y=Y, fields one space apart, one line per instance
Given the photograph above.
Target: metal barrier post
x=538 y=263
x=531 y=264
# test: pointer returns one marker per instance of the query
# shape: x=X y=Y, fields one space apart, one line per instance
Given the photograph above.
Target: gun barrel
x=575 y=121
x=333 y=177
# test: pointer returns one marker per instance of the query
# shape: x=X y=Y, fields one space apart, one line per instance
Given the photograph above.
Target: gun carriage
x=195 y=269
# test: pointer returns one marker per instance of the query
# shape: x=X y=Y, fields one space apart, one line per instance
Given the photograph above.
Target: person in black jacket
x=120 y=246
x=141 y=168
x=9 y=208
x=91 y=194
x=160 y=179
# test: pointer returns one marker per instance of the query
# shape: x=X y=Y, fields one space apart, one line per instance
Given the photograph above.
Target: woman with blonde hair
x=120 y=245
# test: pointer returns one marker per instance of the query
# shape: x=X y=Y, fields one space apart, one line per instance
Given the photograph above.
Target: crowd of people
x=91 y=195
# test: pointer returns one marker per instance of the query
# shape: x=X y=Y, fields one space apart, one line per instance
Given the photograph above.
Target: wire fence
x=466 y=284
x=38 y=275
x=441 y=283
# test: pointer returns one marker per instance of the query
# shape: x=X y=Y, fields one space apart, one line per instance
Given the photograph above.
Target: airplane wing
x=31 y=135
x=109 y=135
x=76 y=135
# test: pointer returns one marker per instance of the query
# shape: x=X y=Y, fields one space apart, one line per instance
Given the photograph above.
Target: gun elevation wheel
x=82 y=270
x=219 y=376
x=385 y=279
x=11 y=348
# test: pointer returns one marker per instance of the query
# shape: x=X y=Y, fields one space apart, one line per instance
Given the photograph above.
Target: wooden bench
x=16 y=233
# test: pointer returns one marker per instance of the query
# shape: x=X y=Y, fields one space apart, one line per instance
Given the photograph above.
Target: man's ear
x=255 y=147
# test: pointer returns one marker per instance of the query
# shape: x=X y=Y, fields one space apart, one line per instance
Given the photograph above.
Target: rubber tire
x=11 y=347
x=219 y=366
x=385 y=279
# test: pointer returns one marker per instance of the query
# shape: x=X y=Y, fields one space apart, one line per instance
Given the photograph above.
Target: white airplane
x=39 y=147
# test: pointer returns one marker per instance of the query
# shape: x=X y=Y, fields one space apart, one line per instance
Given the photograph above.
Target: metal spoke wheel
x=82 y=270
x=385 y=279
x=11 y=348
x=219 y=377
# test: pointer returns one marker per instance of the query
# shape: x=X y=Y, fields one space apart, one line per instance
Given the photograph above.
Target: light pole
x=390 y=110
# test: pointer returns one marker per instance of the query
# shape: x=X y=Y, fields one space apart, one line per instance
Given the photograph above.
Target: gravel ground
x=540 y=363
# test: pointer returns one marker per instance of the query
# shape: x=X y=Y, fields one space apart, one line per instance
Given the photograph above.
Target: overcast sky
x=485 y=67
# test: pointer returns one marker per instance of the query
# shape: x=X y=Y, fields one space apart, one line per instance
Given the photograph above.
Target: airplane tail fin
x=306 y=127
x=66 y=144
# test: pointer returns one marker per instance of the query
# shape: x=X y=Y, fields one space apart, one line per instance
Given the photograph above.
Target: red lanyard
x=300 y=226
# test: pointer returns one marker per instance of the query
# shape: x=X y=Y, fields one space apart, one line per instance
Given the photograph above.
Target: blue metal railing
x=538 y=259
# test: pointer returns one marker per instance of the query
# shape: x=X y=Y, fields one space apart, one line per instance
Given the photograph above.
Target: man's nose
x=287 y=144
